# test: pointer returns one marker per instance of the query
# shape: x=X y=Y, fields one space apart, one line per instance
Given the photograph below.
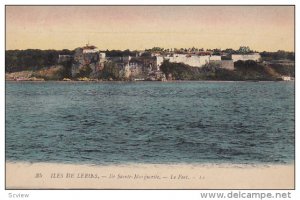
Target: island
x=88 y=63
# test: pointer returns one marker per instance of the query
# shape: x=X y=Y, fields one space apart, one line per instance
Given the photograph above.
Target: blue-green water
x=150 y=122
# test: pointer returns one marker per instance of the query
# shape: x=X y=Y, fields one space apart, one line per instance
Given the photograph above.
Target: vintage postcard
x=149 y=97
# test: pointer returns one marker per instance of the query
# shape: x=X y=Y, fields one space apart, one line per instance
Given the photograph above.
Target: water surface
x=150 y=122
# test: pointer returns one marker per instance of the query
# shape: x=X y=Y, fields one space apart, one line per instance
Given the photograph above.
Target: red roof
x=89 y=47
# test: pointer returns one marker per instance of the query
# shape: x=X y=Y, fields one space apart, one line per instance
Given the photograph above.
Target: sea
x=106 y=123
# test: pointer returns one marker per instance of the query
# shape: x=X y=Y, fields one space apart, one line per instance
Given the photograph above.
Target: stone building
x=64 y=58
x=90 y=57
x=243 y=57
x=227 y=64
x=215 y=58
x=134 y=67
x=192 y=60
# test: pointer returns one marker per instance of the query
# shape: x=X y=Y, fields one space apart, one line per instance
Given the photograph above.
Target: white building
x=191 y=60
x=203 y=60
x=227 y=64
x=102 y=55
x=286 y=78
x=215 y=58
x=255 y=57
x=159 y=61
x=90 y=51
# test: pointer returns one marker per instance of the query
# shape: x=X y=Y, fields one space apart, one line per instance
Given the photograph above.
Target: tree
x=216 y=51
x=110 y=71
x=85 y=71
x=279 y=55
x=179 y=71
x=229 y=51
x=32 y=59
x=67 y=69
x=244 y=50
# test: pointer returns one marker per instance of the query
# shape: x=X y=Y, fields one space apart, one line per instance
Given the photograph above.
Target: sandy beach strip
x=148 y=176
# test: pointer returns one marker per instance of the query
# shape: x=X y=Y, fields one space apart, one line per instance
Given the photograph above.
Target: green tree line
x=279 y=55
x=32 y=59
x=243 y=70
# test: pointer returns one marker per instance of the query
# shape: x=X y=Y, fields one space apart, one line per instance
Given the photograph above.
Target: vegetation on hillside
x=32 y=59
x=44 y=64
x=110 y=72
x=285 y=70
x=119 y=53
x=278 y=55
x=52 y=73
x=244 y=70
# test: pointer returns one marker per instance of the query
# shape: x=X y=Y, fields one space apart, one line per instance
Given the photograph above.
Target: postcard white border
x=128 y=194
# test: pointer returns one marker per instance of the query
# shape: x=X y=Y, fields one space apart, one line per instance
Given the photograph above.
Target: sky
x=262 y=28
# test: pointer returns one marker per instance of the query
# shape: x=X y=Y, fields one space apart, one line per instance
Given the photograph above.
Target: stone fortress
x=142 y=67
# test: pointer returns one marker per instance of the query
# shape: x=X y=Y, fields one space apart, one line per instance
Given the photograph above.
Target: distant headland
x=88 y=63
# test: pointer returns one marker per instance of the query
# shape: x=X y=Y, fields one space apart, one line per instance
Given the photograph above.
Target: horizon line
x=145 y=49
